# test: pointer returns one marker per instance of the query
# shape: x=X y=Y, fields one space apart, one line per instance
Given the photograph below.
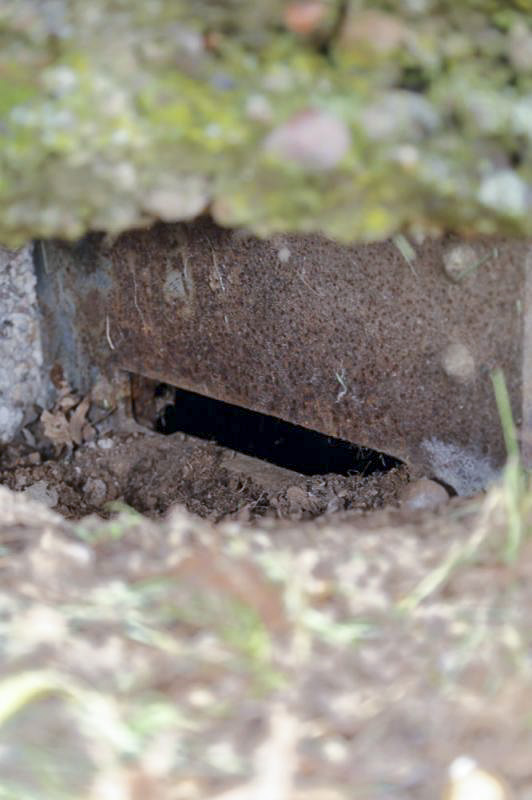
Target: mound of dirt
x=153 y=473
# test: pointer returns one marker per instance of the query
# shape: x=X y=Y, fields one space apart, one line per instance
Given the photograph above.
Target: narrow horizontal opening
x=265 y=437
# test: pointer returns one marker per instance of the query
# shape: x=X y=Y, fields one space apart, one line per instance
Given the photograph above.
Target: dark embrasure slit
x=264 y=437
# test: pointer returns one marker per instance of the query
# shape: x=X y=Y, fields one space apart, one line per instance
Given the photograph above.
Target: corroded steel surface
x=388 y=345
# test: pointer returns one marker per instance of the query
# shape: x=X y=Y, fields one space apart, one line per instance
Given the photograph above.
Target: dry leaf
x=67 y=423
x=56 y=428
x=77 y=421
x=65 y=397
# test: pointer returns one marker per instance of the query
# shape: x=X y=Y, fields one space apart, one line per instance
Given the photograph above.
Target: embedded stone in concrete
x=458 y=362
x=458 y=260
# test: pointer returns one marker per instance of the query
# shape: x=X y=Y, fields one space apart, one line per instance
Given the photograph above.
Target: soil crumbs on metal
x=307 y=642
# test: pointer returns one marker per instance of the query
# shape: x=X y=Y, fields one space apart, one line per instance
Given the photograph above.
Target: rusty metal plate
x=387 y=345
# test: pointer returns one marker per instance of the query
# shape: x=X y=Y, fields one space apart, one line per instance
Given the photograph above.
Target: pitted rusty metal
x=388 y=345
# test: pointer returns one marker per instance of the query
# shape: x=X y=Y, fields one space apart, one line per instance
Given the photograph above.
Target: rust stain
x=347 y=340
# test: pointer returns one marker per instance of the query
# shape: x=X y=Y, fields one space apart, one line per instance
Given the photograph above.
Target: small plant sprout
x=514 y=474
x=406 y=250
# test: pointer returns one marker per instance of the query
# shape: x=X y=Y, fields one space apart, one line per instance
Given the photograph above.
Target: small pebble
x=468 y=781
x=335 y=504
x=40 y=492
x=458 y=260
x=95 y=490
x=105 y=444
x=424 y=494
x=458 y=363
x=313 y=139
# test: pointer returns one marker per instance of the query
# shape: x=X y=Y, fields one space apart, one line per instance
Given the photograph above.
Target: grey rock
x=21 y=357
x=40 y=492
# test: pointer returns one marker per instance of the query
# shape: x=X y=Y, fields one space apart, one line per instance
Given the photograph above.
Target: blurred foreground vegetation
x=177 y=660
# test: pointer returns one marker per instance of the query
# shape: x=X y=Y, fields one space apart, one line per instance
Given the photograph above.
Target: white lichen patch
x=504 y=192
x=466 y=471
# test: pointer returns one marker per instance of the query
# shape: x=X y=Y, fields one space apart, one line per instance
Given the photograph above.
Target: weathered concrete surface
x=389 y=345
x=21 y=362
x=526 y=428
x=352 y=118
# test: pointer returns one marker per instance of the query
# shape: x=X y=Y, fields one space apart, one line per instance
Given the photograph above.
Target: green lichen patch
x=113 y=114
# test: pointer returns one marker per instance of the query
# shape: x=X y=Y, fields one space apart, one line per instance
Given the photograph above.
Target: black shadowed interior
x=267 y=438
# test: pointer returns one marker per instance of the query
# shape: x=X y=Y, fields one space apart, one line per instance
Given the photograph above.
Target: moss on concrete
x=358 y=119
